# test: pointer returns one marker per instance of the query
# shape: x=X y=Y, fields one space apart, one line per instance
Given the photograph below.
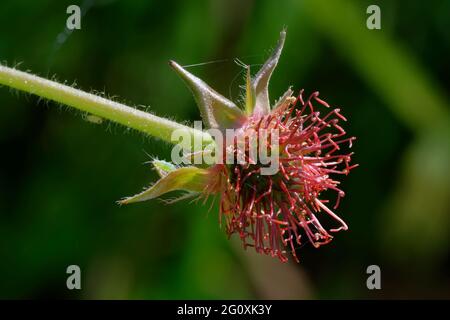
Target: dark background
x=60 y=175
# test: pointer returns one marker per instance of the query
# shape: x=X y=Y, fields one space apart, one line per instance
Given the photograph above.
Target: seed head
x=271 y=212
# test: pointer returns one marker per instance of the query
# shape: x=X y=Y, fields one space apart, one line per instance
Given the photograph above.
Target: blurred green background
x=61 y=175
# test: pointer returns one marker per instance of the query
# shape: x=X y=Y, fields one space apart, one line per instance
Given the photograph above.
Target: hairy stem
x=130 y=117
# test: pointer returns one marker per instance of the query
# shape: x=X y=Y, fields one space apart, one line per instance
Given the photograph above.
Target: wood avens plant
x=268 y=165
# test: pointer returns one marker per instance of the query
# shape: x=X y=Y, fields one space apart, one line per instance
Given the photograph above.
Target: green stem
x=96 y=105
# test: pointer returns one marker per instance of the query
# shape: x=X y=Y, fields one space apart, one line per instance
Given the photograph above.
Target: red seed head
x=272 y=212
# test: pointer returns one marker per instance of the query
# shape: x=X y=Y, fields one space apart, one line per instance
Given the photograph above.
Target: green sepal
x=260 y=83
x=186 y=178
x=284 y=101
x=249 y=93
x=216 y=110
x=163 y=167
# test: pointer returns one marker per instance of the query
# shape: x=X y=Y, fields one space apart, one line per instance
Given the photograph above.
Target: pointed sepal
x=260 y=82
x=163 y=167
x=216 y=110
x=191 y=179
x=249 y=93
x=285 y=101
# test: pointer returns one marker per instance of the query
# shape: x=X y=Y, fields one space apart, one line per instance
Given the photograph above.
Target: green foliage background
x=60 y=175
